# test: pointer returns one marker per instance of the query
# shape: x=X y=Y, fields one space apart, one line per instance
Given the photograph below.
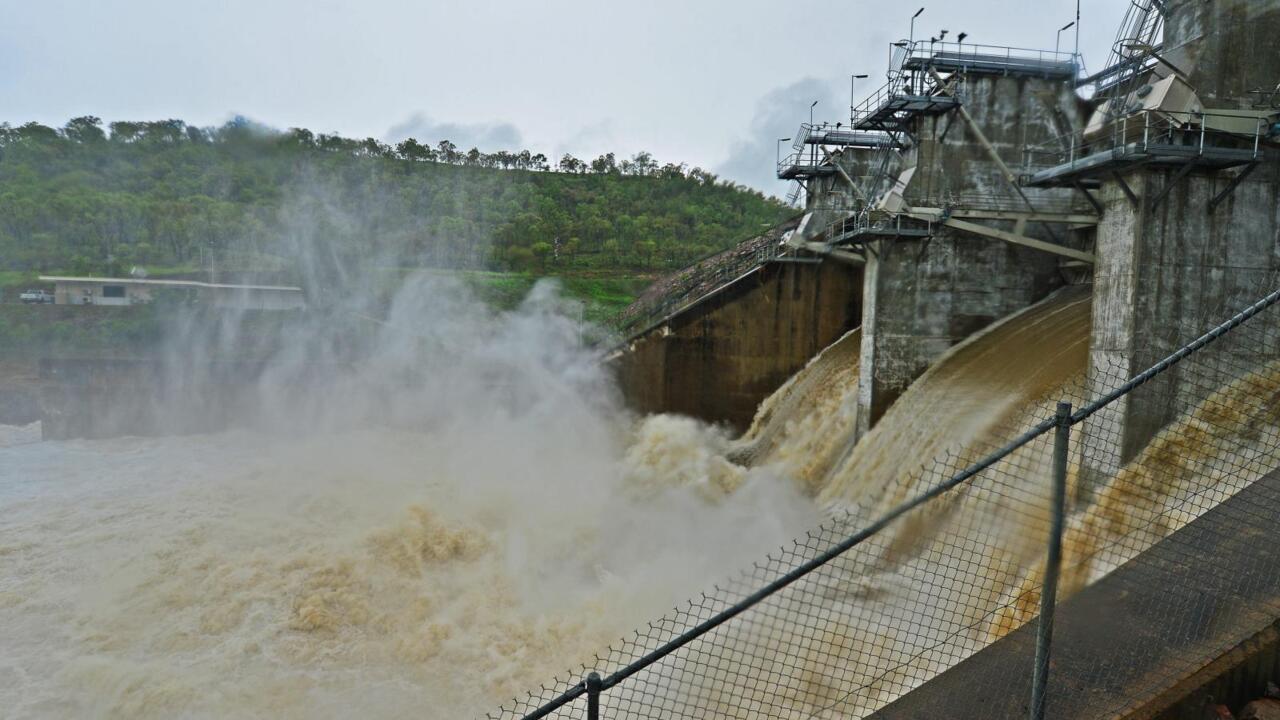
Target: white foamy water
x=325 y=564
x=11 y=435
x=382 y=572
x=516 y=521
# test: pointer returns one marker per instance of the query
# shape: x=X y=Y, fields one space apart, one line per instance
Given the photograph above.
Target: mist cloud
x=778 y=114
x=488 y=136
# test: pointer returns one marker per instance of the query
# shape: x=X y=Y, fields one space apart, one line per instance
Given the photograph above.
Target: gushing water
x=950 y=578
x=472 y=512
x=426 y=533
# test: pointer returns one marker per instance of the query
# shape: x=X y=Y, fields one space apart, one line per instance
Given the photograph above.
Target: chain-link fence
x=904 y=586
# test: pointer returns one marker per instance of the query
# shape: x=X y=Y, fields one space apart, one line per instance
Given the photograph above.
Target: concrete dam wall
x=720 y=358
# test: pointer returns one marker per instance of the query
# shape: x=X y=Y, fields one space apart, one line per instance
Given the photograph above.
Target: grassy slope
x=602 y=297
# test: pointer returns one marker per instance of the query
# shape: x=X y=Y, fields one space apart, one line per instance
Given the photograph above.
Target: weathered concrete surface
x=1165 y=274
x=1013 y=113
x=1226 y=48
x=920 y=297
x=99 y=398
x=19 y=406
x=19 y=392
x=720 y=359
x=923 y=296
x=1163 y=277
x=1199 y=613
x=832 y=196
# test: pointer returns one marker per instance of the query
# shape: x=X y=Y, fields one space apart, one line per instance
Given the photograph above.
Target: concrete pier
x=1181 y=246
x=978 y=181
x=1165 y=275
x=923 y=295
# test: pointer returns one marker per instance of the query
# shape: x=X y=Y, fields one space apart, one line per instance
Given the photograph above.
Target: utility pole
x=1077 y=52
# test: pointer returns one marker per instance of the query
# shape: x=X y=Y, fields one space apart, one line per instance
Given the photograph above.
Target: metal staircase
x=1138 y=42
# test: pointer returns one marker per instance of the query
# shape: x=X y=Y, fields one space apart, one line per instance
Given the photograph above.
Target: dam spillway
x=468 y=510
x=978 y=182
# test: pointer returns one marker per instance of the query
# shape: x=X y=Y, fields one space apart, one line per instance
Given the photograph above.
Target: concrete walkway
x=1197 y=615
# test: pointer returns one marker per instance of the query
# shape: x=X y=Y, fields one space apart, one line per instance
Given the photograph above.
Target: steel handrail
x=1142 y=130
x=972 y=50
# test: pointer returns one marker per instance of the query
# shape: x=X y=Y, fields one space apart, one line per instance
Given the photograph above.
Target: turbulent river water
x=428 y=534
x=493 y=518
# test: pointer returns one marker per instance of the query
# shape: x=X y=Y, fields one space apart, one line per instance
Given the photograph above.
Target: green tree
x=250 y=198
x=86 y=129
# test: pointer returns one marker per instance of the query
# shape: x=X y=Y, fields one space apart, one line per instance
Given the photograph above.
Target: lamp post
x=852 y=80
x=1058 y=42
x=913 y=26
x=813 y=153
x=780 y=141
x=853 y=96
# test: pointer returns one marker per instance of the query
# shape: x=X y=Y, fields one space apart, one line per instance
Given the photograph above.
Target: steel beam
x=1089 y=196
x=1043 y=217
x=827 y=154
x=991 y=149
x=1013 y=215
x=1168 y=187
x=1231 y=186
x=1016 y=239
x=1128 y=191
x=841 y=255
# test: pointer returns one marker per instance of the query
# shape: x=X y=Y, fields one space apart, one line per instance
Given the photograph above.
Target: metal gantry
x=1204 y=140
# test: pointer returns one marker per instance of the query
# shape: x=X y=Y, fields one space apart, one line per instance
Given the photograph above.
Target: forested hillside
x=84 y=198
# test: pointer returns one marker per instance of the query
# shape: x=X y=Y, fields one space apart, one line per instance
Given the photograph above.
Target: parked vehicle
x=36 y=297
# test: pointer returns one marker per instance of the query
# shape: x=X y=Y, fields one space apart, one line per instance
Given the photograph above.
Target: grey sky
x=712 y=83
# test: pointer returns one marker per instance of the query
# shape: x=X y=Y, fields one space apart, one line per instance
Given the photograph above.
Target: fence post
x=593 y=696
x=1049 y=591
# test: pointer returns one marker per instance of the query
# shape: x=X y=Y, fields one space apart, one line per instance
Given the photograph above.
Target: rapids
x=513 y=520
x=427 y=533
x=881 y=626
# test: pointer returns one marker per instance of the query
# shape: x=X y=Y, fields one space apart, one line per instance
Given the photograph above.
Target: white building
x=134 y=291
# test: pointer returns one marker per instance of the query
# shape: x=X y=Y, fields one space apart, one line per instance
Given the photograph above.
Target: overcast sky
x=708 y=82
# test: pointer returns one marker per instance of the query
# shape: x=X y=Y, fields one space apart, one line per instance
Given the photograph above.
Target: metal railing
x=881 y=95
x=866 y=221
x=793 y=197
x=804 y=160
x=1130 y=57
x=909 y=77
x=810 y=139
x=654 y=695
x=963 y=56
x=1190 y=134
x=702 y=280
x=881 y=98
x=804 y=156
x=854 y=217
